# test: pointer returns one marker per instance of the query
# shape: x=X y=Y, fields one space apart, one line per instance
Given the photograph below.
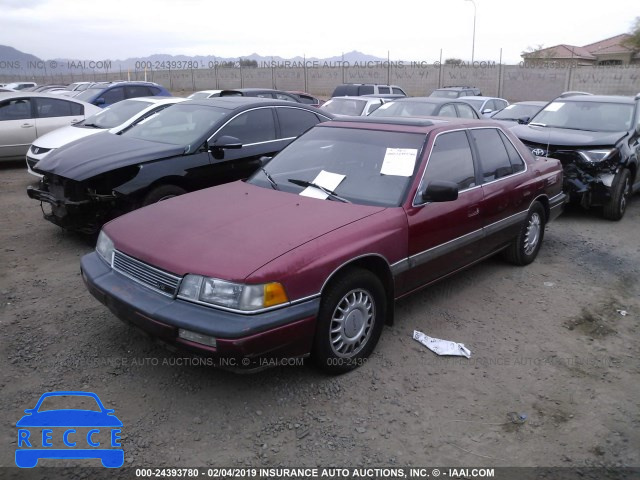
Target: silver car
x=25 y=116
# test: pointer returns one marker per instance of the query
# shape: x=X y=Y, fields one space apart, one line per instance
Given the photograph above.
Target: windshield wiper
x=273 y=183
x=92 y=125
x=331 y=194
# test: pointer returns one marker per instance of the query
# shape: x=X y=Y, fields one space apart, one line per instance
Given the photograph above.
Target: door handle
x=27 y=125
x=473 y=211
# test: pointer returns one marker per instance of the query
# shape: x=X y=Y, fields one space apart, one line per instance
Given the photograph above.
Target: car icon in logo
x=88 y=431
x=538 y=152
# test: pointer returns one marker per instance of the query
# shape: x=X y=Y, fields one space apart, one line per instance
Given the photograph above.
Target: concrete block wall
x=513 y=82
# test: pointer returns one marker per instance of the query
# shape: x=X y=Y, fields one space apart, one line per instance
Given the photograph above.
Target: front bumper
x=86 y=216
x=281 y=333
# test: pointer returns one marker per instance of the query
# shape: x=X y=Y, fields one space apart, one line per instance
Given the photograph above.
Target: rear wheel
x=162 y=192
x=526 y=245
x=350 y=321
x=620 y=192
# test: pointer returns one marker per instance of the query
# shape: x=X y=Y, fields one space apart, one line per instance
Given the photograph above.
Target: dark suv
x=104 y=94
x=596 y=139
x=456 y=91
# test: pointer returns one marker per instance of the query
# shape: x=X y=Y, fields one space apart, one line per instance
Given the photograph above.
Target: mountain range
x=14 y=61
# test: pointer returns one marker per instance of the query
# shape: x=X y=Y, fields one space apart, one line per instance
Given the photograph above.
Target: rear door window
x=493 y=154
x=53 y=107
x=294 y=121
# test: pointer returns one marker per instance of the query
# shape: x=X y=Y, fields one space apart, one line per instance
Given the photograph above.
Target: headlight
x=596 y=156
x=231 y=295
x=105 y=247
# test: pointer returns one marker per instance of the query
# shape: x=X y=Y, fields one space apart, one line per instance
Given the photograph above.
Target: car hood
x=69 y=418
x=91 y=156
x=64 y=135
x=565 y=137
x=228 y=231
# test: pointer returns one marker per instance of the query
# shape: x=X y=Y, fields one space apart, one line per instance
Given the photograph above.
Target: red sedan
x=308 y=255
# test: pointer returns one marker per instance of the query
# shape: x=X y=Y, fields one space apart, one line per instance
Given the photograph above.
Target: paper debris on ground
x=442 y=347
x=624 y=313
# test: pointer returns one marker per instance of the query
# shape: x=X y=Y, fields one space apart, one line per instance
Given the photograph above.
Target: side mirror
x=524 y=120
x=487 y=110
x=100 y=101
x=440 y=191
x=223 y=143
x=264 y=160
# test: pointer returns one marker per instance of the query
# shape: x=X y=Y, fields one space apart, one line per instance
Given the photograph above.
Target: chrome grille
x=159 y=280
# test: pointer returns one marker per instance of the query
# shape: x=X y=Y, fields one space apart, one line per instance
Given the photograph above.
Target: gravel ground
x=547 y=341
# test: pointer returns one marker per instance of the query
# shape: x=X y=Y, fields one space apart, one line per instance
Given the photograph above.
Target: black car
x=261 y=93
x=426 y=107
x=189 y=146
x=596 y=137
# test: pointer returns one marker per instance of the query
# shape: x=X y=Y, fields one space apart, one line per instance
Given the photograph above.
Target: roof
x=597 y=99
x=478 y=97
x=609 y=45
x=406 y=124
x=233 y=102
x=429 y=100
x=561 y=51
x=23 y=94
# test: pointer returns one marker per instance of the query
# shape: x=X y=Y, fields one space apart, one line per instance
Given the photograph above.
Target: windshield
x=590 y=116
x=345 y=106
x=514 y=112
x=186 y=125
x=116 y=114
x=69 y=402
x=89 y=93
x=368 y=167
x=405 y=108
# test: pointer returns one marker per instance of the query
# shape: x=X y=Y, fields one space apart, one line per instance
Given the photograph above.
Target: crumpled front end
x=588 y=174
x=83 y=206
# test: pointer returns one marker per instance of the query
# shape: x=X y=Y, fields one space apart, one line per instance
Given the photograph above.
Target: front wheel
x=525 y=247
x=350 y=321
x=162 y=192
x=620 y=191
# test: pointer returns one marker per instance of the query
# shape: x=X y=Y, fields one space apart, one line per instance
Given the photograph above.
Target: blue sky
x=408 y=30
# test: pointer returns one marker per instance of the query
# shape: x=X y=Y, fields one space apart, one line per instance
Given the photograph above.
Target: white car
x=487 y=106
x=204 y=94
x=17 y=86
x=113 y=119
x=354 y=106
x=25 y=116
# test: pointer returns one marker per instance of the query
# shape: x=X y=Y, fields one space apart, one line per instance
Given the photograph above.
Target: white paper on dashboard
x=325 y=179
x=554 y=107
x=399 y=162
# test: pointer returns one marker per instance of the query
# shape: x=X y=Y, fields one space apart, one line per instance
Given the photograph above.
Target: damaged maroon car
x=308 y=256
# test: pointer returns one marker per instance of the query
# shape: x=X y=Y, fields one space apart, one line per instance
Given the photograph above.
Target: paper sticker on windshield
x=399 y=162
x=325 y=179
x=554 y=107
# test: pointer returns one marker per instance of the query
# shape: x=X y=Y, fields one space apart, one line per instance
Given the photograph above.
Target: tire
x=350 y=321
x=620 y=191
x=162 y=192
x=526 y=245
